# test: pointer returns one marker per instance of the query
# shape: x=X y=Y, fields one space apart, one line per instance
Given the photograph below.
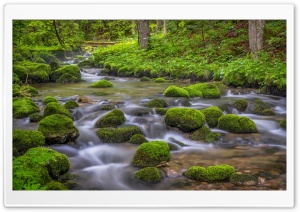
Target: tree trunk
x=144 y=34
x=133 y=27
x=256 y=35
x=57 y=35
x=165 y=27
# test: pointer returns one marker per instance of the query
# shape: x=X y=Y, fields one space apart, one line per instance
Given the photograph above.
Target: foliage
x=236 y=124
x=28 y=91
x=117 y=135
x=148 y=175
x=37 y=72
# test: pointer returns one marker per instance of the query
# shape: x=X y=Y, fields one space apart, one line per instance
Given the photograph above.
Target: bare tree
x=256 y=35
x=144 y=33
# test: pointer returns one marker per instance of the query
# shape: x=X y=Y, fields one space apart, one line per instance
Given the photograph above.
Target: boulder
x=236 y=124
x=69 y=72
x=102 y=84
x=209 y=90
x=117 y=135
x=71 y=104
x=148 y=175
x=157 y=103
x=138 y=139
x=174 y=91
x=112 y=119
x=56 y=108
x=24 y=107
x=241 y=104
x=212 y=115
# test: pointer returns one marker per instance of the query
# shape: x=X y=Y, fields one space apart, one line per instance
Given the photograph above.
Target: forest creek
x=98 y=162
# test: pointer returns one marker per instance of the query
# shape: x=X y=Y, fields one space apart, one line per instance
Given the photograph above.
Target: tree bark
x=57 y=35
x=144 y=34
x=256 y=35
x=165 y=27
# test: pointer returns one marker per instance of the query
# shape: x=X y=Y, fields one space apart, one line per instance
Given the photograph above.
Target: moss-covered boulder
x=58 y=129
x=53 y=185
x=157 y=103
x=148 y=175
x=24 y=107
x=67 y=71
x=49 y=99
x=260 y=106
x=125 y=71
x=145 y=79
x=71 y=104
x=209 y=90
x=211 y=173
x=237 y=124
x=185 y=119
x=112 y=119
x=212 y=115
x=35 y=117
x=160 y=80
x=67 y=78
x=243 y=179
x=54 y=65
x=86 y=64
x=151 y=154
x=213 y=136
x=282 y=123
x=28 y=91
x=56 y=108
x=193 y=92
x=268 y=112
x=26 y=139
x=138 y=139
x=37 y=72
x=161 y=111
x=241 y=104
x=200 y=134
x=38 y=167
x=102 y=84
x=174 y=91
x=117 y=135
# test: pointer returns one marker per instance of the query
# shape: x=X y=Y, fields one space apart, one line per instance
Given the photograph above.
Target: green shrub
x=174 y=91
x=24 y=107
x=151 y=154
x=102 y=84
x=209 y=90
x=185 y=119
x=212 y=115
x=138 y=139
x=236 y=124
x=71 y=104
x=200 y=134
x=148 y=175
x=157 y=103
x=241 y=104
x=117 y=135
x=49 y=99
x=56 y=108
x=112 y=119
x=16 y=90
x=37 y=72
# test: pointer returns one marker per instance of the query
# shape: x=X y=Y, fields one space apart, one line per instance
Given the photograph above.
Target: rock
x=137 y=111
x=35 y=117
x=212 y=115
x=49 y=99
x=273 y=184
x=112 y=119
x=160 y=80
x=209 y=90
x=86 y=64
x=149 y=175
x=193 y=92
x=261 y=181
x=24 y=107
x=212 y=137
x=68 y=73
x=83 y=99
x=282 y=123
x=161 y=111
x=241 y=104
x=262 y=108
x=117 y=135
x=243 y=179
x=138 y=139
x=183 y=102
x=71 y=104
x=200 y=134
x=28 y=91
x=102 y=84
x=157 y=103
x=236 y=124
x=174 y=91
x=56 y=108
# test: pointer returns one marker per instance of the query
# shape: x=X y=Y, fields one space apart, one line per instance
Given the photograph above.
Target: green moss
x=138 y=139
x=161 y=111
x=212 y=136
x=240 y=179
x=26 y=139
x=237 y=124
x=37 y=167
x=212 y=115
x=67 y=78
x=194 y=92
x=37 y=72
x=24 y=107
x=145 y=79
x=174 y=91
x=28 y=91
x=54 y=65
x=209 y=90
x=53 y=185
x=49 y=99
x=71 y=104
x=282 y=123
x=241 y=104
x=102 y=84
x=59 y=129
x=108 y=107
x=157 y=103
x=148 y=175
x=268 y=112
x=112 y=119
x=86 y=64
x=200 y=134
x=265 y=174
x=35 y=117
x=117 y=135
x=69 y=71
x=151 y=154
x=16 y=90
x=20 y=71
x=259 y=106
x=211 y=173
x=125 y=72
x=100 y=93
x=160 y=80
x=185 y=119
x=56 y=108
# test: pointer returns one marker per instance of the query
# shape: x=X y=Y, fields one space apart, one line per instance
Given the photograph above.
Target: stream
x=99 y=166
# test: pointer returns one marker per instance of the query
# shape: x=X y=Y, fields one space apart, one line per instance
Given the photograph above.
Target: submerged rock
x=243 y=179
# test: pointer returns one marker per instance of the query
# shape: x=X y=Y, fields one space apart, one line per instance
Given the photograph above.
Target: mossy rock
x=100 y=93
x=268 y=112
x=209 y=90
x=265 y=174
x=49 y=99
x=138 y=139
x=35 y=117
x=117 y=135
x=243 y=179
x=282 y=123
x=200 y=134
x=183 y=102
x=125 y=72
x=37 y=72
x=259 y=106
x=212 y=115
x=211 y=173
x=138 y=111
x=53 y=185
x=70 y=72
x=86 y=64
x=26 y=139
x=145 y=79
x=54 y=65
x=172 y=147
x=241 y=104
x=193 y=92
x=213 y=136
x=24 y=107
x=112 y=119
x=237 y=124
x=71 y=104
x=185 y=119
x=151 y=154
x=38 y=167
x=56 y=108
x=160 y=80
x=28 y=91
x=174 y=91
x=148 y=175
x=108 y=107
x=102 y=84
x=161 y=111
x=58 y=129
x=157 y=103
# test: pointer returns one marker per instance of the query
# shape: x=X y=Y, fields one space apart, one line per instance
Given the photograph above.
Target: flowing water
x=99 y=166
